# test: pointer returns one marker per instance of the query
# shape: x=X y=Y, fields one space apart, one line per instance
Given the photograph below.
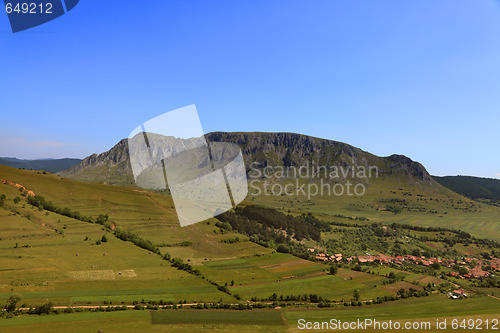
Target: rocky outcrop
x=262 y=149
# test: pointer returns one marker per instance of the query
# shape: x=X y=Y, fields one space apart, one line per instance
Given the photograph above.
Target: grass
x=426 y=205
x=285 y=275
x=46 y=257
x=259 y=269
x=42 y=253
x=427 y=307
x=141 y=321
x=326 y=286
x=147 y=214
x=408 y=276
x=84 y=322
x=256 y=317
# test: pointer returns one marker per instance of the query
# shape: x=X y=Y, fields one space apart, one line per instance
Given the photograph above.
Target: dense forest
x=271 y=228
x=472 y=187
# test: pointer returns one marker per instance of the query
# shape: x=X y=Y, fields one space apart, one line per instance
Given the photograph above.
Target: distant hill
x=472 y=187
x=267 y=149
x=49 y=165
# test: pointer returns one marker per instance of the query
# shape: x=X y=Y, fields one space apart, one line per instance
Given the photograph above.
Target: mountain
x=472 y=187
x=263 y=150
x=49 y=165
x=295 y=150
x=404 y=192
x=111 y=167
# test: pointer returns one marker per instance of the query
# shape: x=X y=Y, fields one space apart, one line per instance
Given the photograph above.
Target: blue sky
x=419 y=78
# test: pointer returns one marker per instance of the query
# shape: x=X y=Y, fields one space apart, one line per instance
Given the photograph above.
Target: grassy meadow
x=421 y=204
x=50 y=257
x=277 y=320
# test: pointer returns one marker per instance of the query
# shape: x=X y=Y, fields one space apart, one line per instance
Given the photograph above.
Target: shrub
x=43 y=309
x=12 y=303
x=283 y=249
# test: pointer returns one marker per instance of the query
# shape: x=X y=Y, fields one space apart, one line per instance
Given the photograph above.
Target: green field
x=424 y=205
x=408 y=310
x=262 y=317
x=284 y=274
x=279 y=320
x=255 y=271
x=49 y=257
x=435 y=306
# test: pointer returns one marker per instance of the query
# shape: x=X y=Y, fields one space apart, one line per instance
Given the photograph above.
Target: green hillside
x=472 y=187
x=391 y=199
x=89 y=244
x=25 y=229
x=50 y=165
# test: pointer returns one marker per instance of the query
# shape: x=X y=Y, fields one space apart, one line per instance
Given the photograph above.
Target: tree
x=44 y=309
x=356 y=294
x=282 y=248
x=2 y=199
x=333 y=269
x=436 y=265
x=12 y=303
x=462 y=270
x=104 y=239
x=486 y=255
x=102 y=218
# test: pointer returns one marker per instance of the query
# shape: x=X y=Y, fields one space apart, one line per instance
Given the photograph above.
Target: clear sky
x=419 y=78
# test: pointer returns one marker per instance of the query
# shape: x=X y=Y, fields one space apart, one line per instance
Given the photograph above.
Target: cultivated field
x=278 y=320
x=50 y=257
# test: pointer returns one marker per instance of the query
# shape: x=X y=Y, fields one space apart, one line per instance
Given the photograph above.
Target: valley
x=91 y=251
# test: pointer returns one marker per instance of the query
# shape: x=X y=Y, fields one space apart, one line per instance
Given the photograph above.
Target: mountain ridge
x=264 y=148
x=49 y=165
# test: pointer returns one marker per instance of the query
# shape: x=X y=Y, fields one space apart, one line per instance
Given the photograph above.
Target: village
x=469 y=267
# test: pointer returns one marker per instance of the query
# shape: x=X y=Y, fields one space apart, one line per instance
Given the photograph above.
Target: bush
x=43 y=309
x=283 y=249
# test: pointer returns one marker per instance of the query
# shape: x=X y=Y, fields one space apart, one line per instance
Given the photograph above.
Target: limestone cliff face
x=104 y=167
x=295 y=150
x=262 y=149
